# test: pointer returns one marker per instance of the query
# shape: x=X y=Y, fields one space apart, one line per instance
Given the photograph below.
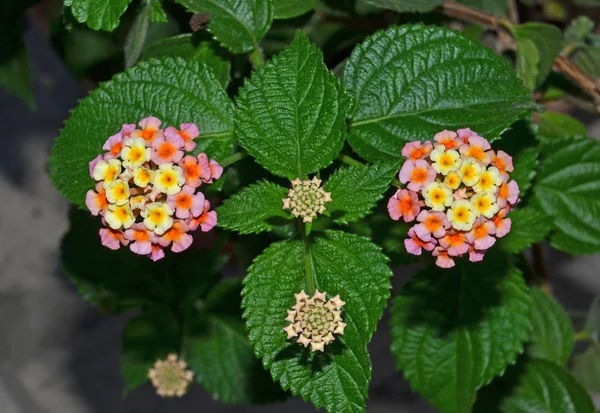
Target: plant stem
x=311 y=282
x=583 y=335
x=233 y=158
x=349 y=161
x=539 y=267
x=257 y=58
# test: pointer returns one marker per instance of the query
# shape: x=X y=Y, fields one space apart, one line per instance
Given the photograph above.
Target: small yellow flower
x=461 y=215
x=469 y=172
x=119 y=216
x=135 y=153
x=118 y=192
x=445 y=161
x=168 y=179
x=107 y=171
x=170 y=377
x=489 y=181
x=142 y=176
x=485 y=204
x=452 y=180
x=437 y=196
x=157 y=217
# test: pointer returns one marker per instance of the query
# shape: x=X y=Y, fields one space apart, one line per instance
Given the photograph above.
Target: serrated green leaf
x=185 y=91
x=538 y=44
x=529 y=226
x=568 y=189
x=147 y=338
x=220 y=355
x=552 y=336
x=496 y=7
x=356 y=189
x=98 y=14
x=525 y=163
x=403 y=6
x=587 y=58
x=555 y=125
x=586 y=368
x=136 y=38
x=343 y=264
x=454 y=330
x=157 y=13
x=578 y=29
x=413 y=81
x=191 y=47
x=239 y=25
x=255 y=209
x=544 y=387
x=286 y=9
x=291 y=113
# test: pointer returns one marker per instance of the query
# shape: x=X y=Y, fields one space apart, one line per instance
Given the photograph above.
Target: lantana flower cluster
x=459 y=192
x=170 y=377
x=306 y=199
x=148 y=189
x=315 y=320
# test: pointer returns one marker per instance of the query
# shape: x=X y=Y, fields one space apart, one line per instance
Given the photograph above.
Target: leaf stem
x=233 y=158
x=349 y=161
x=311 y=282
x=539 y=267
x=257 y=58
x=583 y=335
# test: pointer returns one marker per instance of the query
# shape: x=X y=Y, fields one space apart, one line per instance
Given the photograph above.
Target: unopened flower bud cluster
x=306 y=199
x=314 y=320
x=148 y=190
x=459 y=192
x=170 y=377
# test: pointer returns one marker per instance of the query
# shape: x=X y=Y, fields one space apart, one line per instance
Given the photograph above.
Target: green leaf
x=340 y=263
x=286 y=9
x=552 y=336
x=586 y=368
x=147 y=338
x=184 y=91
x=556 y=125
x=538 y=44
x=15 y=72
x=545 y=387
x=578 y=29
x=496 y=7
x=593 y=319
x=291 y=113
x=239 y=25
x=454 y=330
x=98 y=14
x=411 y=82
x=220 y=355
x=525 y=163
x=403 y=6
x=529 y=226
x=356 y=189
x=191 y=47
x=157 y=13
x=136 y=38
x=568 y=189
x=587 y=58
x=255 y=209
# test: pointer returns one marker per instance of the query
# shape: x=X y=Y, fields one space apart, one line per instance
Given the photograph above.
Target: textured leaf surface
x=587 y=58
x=568 y=189
x=545 y=387
x=578 y=29
x=454 y=330
x=286 y=9
x=529 y=225
x=356 y=189
x=552 y=336
x=174 y=90
x=586 y=368
x=411 y=82
x=239 y=25
x=555 y=125
x=497 y=7
x=157 y=13
x=291 y=113
x=525 y=163
x=343 y=264
x=98 y=14
x=401 y=6
x=254 y=209
x=136 y=38
x=538 y=44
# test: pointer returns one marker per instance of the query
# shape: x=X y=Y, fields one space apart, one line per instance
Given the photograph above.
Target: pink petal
x=92 y=203
x=109 y=240
x=191 y=129
x=157 y=252
x=210 y=222
x=112 y=141
x=205 y=173
x=412 y=247
x=422 y=232
x=393 y=208
x=476 y=256
x=150 y=122
x=484 y=243
x=406 y=171
x=409 y=147
x=503 y=228
x=513 y=192
x=444 y=261
x=216 y=170
x=182 y=243
x=141 y=248
x=93 y=163
x=197 y=204
x=127 y=129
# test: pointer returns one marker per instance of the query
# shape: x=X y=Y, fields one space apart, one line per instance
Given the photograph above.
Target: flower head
x=306 y=199
x=188 y=132
x=404 y=204
x=448 y=139
x=150 y=129
x=170 y=377
x=167 y=149
x=416 y=150
x=417 y=174
x=314 y=320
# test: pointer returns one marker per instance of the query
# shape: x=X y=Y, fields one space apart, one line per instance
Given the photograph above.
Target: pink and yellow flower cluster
x=147 y=188
x=459 y=192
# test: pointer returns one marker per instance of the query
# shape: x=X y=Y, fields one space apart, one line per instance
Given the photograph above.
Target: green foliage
x=188 y=93
x=291 y=112
x=578 y=29
x=136 y=38
x=552 y=336
x=255 y=209
x=497 y=7
x=587 y=58
x=586 y=367
x=157 y=13
x=98 y=14
x=454 y=330
x=401 y=6
x=337 y=263
x=356 y=189
x=528 y=227
x=555 y=126
x=239 y=25
x=410 y=82
x=286 y=9
x=538 y=44
x=568 y=189
x=525 y=163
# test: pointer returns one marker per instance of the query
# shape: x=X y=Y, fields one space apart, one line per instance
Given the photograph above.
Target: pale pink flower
x=96 y=201
x=417 y=173
x=456 y=244
x=481 y=234
x=216 y=170
x=187 y=201
x=503 y=162
x=188 y=132
x=448 y=139
x=502 y=224
x=141 y=237
x=204 y=165
x=93 y=163
x=414 y=150
x=112 y=239
x=431 y=223
x=443 y=259
x=508 y=193
x=167 y=149
x=476 y=256
x=192 y=171
x=178 y=235
x=465 y=134
x=206 y=221
x=404 y=204
x=157 y=253
x=114 y=146
x=415 y=246
x=478 y=149
x=127 y=129
x=150 y=129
